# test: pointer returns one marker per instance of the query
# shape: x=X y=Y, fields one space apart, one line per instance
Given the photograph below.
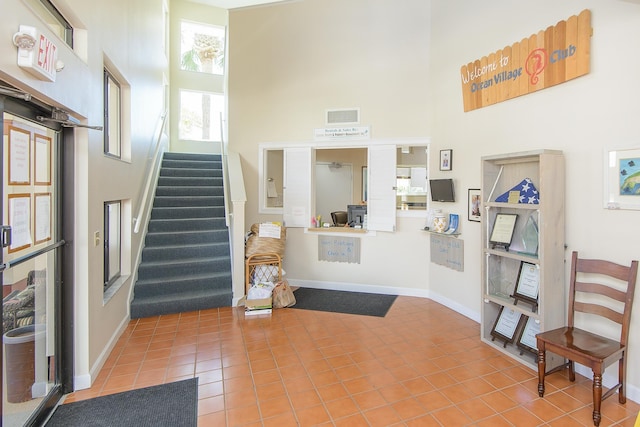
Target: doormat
x=343 y=301
x=174 y=404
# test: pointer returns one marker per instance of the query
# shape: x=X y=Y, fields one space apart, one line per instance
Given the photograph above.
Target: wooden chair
x=587 y=348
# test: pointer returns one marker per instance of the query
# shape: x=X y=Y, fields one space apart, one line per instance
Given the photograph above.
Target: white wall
x=399 y=63
x=130 y=34
x=288 y=64
x=582 y=117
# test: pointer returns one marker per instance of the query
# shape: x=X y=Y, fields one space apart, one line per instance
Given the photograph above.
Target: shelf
x=507 y=301
x=512 y=255
x=504 y=205
x=443 y=234
x=337 y=230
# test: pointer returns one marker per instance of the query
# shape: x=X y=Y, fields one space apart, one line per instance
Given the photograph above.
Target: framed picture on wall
x=446 y=157
x=473 y=204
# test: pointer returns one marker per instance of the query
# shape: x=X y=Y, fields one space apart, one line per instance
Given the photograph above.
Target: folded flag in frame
x=526 y=193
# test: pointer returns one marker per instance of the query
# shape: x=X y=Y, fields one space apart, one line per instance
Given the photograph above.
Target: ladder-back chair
x=602 y=290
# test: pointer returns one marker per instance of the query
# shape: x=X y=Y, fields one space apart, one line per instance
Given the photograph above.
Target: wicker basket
x=264 y=245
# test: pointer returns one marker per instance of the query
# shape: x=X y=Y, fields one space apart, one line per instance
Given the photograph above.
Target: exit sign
x=41 y=59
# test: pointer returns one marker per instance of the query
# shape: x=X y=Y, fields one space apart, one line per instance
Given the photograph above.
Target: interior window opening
x=340 y=183
x=412 y=178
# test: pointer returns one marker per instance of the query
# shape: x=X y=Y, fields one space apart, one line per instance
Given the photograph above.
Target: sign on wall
x=550 y=57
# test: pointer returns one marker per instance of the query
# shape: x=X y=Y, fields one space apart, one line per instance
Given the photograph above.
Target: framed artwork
x=622 y=179
x=527 y=338
x=446 y=158
x=508 y=323
x=473 y=204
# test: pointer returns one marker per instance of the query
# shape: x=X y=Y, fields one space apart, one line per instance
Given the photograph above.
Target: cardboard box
x=258 y=304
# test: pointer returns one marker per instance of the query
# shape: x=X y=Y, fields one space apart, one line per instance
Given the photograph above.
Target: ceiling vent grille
x=350 y=116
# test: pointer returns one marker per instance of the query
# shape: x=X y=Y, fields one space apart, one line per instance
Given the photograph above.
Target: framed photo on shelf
x=621 y=172
x=446 y=157
x=528 y=284
x=527 y=338
x=508 y=323
x=473 y=203
x=502 y=232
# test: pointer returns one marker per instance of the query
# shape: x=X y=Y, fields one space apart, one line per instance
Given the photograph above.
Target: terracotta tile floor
x=421 y=365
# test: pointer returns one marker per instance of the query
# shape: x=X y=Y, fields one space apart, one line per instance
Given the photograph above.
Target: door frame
x=64 y=286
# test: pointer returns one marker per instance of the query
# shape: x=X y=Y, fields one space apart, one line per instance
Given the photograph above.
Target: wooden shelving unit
x=500 y=267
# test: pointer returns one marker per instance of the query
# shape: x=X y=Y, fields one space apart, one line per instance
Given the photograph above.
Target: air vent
x=349 y=116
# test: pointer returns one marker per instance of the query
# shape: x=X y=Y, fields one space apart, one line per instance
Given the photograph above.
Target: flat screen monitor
x=355 y=214
x=441 y=190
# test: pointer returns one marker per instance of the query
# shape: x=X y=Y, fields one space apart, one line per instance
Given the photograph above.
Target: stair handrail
x=225 y=174
x=158 y=151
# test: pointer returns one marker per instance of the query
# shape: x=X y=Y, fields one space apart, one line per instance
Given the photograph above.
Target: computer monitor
x=355 y=214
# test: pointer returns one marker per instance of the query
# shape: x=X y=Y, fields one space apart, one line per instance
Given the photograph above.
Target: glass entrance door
x=30 y=268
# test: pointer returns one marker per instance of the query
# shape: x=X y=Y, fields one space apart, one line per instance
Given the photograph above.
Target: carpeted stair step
x=189 y=181
x=190 y=191
x=183 y=251
x=190 y=212
x=190 y=172
x=186 y=224
x=194 y=283
x=166 y=238
x=181 y=268
x=183 y=201
x=188 y=301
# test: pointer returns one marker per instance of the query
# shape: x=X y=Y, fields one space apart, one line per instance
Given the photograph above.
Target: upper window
x=200 y=114
x=54 y=19
x=112 y=116
x=202 y=48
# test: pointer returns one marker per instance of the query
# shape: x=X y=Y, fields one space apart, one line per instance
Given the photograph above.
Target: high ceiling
x=235 y=4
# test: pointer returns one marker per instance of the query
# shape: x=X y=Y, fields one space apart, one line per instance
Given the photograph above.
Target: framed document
x=19 y=156
x=507 y=324
x=42 y=161
x=502 y=231
x=20 y=221
x=527 y=338
x=528 y=284
x=42 y=217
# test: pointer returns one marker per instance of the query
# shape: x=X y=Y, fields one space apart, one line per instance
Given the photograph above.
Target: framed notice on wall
x=19 y=156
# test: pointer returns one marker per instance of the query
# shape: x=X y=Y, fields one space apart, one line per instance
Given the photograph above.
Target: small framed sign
x=507 y=325
x=502 y=231
x=528 y=284
x=527 y=339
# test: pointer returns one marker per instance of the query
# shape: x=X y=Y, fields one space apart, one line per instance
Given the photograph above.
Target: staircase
x=186 y=262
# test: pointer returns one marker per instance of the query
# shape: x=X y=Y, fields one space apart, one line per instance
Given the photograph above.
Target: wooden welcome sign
x=552 y=56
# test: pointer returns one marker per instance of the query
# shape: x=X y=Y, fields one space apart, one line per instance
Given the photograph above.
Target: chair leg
x=597 y=397
x=572 y=371
x=542 y=366
x=622 y=375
